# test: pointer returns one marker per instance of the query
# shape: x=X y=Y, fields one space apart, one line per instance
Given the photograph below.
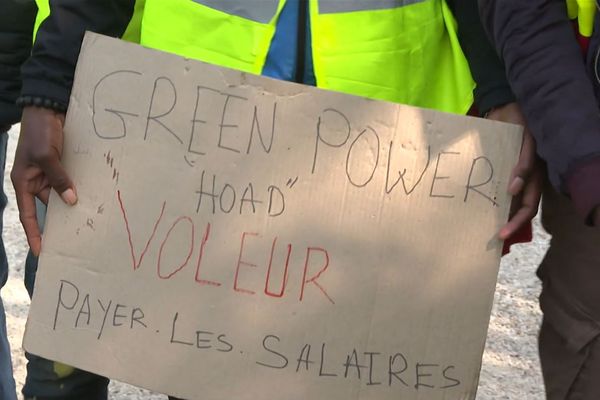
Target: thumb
x=59 y=180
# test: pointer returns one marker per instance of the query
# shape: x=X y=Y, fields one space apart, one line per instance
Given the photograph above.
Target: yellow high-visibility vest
x=132 y=33
x=404 y=51
x=585 y=12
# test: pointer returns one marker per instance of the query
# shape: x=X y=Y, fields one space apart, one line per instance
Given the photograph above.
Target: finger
x=44 y=195
x=528 y=152
x=27 y=215
x=525 y=165
x=528 y=209
x=532 y=193
x=58 y=178
x=521 y=217
x=516 y=185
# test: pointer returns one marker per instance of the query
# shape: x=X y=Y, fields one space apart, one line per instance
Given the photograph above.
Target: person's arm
x=492 y=88
x=16 y=27
x=547 y=74
x=495 y=100
x=47 y=80
x=50 y=70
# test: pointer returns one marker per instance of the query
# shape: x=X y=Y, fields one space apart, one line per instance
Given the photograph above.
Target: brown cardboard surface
x=238 y=237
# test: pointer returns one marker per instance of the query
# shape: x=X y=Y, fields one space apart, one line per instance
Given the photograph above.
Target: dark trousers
x=569 y=340
x=569 y=374
x=49 y=380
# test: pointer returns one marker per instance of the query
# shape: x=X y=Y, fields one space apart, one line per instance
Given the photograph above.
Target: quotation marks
x=189 y=162
x=81 y=151
x=291 y=182
x=110 y=161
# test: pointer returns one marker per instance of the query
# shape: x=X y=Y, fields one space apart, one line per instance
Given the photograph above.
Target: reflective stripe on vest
x=337 y=6
x=132 y=33
x=585 y=12
x=262 y=11
x=405 y=51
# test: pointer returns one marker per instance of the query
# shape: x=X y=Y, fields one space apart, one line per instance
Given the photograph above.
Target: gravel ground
x=510 y=362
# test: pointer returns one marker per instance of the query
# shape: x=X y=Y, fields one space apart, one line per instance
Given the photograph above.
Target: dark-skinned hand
x=526 y=179
x=37 y=168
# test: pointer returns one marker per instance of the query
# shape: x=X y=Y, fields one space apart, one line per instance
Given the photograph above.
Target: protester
x=16 y=30
x=495 y=100
x=16 y=22
x=46 y=379
x=311 y=42
x=558 y=88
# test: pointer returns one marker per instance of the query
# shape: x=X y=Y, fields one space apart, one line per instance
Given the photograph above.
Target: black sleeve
x=547 y=74
x=487 y=69
x=50 y=70
x=16 y=28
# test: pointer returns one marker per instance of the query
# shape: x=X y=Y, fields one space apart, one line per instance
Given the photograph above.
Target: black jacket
x=16 y=26
x=555 y=88
x=49 y=72
x=488 y=71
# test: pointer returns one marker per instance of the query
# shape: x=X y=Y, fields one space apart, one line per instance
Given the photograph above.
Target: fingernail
x=516 y=185
x=69 y=197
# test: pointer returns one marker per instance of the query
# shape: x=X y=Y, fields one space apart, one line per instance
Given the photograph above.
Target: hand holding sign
x=527 y=176
x=37 y=168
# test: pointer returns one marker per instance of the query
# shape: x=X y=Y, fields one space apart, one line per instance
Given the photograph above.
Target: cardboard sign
x=238 y=237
